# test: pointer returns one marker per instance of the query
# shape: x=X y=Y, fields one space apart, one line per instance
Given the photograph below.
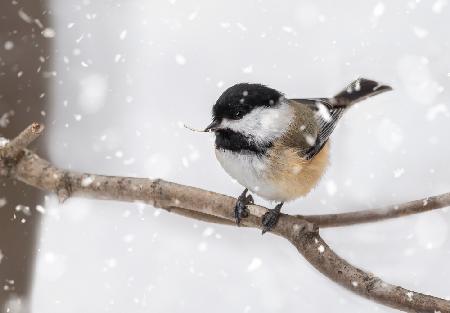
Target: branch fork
x=302 y=231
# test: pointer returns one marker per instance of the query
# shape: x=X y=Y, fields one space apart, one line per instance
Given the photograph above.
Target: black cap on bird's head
x=240 y=99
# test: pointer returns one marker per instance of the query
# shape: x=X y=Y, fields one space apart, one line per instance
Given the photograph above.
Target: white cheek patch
x=263 y=124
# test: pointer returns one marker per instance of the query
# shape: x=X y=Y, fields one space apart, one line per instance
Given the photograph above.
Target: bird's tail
x=358 y=90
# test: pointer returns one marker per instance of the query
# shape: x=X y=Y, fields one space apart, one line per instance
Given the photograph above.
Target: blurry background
x=126 y=75
x=24 y=97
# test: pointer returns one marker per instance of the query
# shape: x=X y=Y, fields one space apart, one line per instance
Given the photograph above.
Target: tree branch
x=375 y=215
x=22 y=141
x=213 y=207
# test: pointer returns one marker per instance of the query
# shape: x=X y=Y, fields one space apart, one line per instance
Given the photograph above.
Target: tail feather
x=358 y=90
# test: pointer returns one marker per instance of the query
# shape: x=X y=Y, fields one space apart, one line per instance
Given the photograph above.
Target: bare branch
x=320 y=255
x=15 y=146
x=375 y=215
x=213 y=207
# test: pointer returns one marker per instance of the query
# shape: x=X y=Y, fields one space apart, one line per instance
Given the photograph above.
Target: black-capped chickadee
x=276 y=147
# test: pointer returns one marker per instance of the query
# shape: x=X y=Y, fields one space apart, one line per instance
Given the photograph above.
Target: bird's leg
x=270 y=218
x=240 y=209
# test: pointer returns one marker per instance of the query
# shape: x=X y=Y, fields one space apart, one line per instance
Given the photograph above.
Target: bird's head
x=249 y=112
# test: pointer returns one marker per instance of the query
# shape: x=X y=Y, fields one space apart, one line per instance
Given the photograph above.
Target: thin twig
x=27 y=136
x=376 y=215
x=202 y=204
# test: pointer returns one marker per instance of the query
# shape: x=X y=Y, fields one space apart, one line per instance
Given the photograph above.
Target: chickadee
x=276 y=147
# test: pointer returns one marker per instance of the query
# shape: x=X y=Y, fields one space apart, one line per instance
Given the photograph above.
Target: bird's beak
x=213 y=126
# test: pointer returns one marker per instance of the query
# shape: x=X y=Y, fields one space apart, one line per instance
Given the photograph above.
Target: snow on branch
x=18 y=163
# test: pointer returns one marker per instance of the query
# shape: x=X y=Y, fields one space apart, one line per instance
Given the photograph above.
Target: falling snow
x=378 y=10
x=436 y=111
x=331 y=187
x=439 y=6
x=87 y=181
x=3 y=142
x=123 y=34
x=8 y=45
x=399 y=172
x=93 y=89
x=48 y=33
x=420 y=32
x=180 y=59
x=247 y=69
x=25 y=17
x=5 y=119
x=40 y=209
x=254 y=265
x=123 y=73
x=208 y=232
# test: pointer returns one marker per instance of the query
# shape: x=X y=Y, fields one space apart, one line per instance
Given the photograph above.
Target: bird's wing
x=328 y=111
x=326 y=117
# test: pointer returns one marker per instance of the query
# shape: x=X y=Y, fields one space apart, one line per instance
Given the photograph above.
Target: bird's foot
x=270 y=218
x=240 y=209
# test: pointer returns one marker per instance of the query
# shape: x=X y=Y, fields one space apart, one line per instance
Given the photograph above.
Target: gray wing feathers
x=328 y=111
x=326 y=117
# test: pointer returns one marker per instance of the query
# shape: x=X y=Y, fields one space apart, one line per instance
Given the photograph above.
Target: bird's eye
x=238 y=114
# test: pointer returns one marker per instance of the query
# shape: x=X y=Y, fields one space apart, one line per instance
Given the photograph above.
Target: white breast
x=250 y=171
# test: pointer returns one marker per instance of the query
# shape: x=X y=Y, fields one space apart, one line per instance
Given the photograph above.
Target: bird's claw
x=249 y=199
x=240 y=209
x=240 y=212
x=270 y=219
